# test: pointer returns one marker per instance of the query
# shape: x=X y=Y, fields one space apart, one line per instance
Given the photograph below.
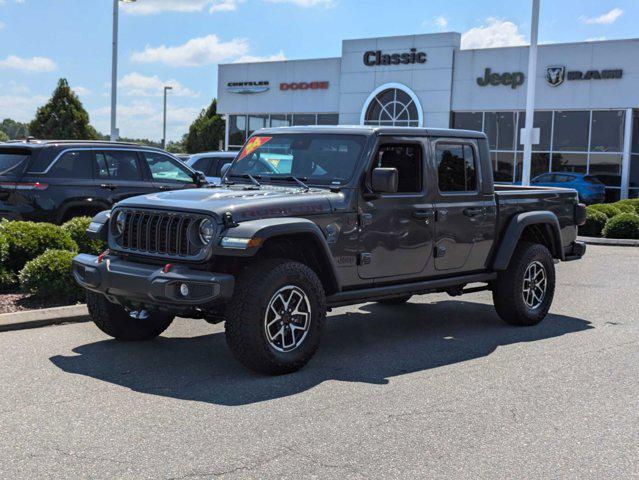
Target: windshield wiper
x=299 y=182
x=249 y=177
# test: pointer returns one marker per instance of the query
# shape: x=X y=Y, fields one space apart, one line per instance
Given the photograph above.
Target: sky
x=181 y=42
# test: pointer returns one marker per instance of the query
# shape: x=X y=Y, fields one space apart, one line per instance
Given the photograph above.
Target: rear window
x=13 y=161
x=595 y=180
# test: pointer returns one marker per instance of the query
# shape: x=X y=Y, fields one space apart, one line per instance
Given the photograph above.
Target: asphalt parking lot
x=438 y=388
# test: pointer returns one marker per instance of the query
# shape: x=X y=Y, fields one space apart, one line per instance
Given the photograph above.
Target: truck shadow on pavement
x=370 y=345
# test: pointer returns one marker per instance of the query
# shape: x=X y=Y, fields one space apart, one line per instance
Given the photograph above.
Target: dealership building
x=586 y=106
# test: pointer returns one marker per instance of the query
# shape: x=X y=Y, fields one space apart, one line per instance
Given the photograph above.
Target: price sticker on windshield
x=252 y=145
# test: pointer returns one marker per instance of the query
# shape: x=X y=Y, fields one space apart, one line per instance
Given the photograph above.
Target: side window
x=201 y=164
x=544 y=178
x=165 y=169
x=73 y=165
x=407 y=159
x=118 y=165
x=221 y=162
x=456 y=169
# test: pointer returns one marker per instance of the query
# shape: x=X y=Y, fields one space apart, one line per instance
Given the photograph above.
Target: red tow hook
x=167 y=267
x=102 y=255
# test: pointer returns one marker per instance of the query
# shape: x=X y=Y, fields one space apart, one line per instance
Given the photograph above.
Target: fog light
x=184 y=290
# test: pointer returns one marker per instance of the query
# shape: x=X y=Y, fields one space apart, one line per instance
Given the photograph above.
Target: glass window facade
x=240 y=127
x=633 y=191
x=577 y=141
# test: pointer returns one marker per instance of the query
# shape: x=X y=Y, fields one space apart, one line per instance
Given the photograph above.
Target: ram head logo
x=555 y=75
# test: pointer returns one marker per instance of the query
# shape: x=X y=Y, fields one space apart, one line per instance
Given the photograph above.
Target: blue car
x=590 y=189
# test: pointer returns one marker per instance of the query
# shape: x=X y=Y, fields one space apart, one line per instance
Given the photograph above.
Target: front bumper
x=127 y=282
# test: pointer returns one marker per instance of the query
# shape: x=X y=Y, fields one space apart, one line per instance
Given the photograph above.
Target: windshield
x=10 y=161
x=313 y=157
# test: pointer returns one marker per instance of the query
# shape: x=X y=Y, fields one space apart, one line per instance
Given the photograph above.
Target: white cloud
x=4 y=2
x=255 y=58
x=440 y=22
x=153 y=7
x=143 y=119
x=494 y=33
x=21 y=107
x=195 y=52
x=1 y=25
x=595 y=39
x=81 y=91
x=306 y=3
x=605 y=19
x=33 y=64
x=138 y=85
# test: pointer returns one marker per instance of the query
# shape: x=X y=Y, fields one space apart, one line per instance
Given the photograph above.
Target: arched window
x=392 y=105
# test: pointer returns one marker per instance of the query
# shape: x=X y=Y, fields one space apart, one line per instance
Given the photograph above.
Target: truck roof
x=376 y=130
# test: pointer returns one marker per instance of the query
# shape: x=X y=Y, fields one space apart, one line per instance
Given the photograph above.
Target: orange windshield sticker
x=252 y=145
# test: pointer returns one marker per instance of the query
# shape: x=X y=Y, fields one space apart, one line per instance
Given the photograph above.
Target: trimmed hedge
x=595 y=222
x=607 y=209
x=7 y=278
x=624 y=207
x=77 y=229
x=633 y=202
x=27 y=240
x=625 y=225
x=49 y=276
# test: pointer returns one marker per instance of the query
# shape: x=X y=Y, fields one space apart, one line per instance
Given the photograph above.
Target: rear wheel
x=116 y=322
x=524 y=292
x=395 y=301
x=275 y=318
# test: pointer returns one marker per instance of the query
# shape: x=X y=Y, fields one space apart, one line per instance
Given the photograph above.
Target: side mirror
x=224 y=169
x=199 y=179
x=384 y=180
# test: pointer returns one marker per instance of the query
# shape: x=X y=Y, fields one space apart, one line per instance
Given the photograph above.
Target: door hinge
x=440 y=251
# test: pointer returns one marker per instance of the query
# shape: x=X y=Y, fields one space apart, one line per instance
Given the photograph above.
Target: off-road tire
x=113 y=320
x=395 y=301
x=508 y=289
x=245 y=316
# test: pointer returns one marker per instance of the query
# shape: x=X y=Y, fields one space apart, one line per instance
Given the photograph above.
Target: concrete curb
x=613 y=242
x=43 y=317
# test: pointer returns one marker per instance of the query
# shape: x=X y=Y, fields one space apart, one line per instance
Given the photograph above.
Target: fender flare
x=268 y=228
x=515 y=229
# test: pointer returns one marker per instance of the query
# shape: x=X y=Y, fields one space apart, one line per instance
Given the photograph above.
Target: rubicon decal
x=252 y=145
x=514 y=79
x=248 y=87
x=304 y=86
x=373 y=58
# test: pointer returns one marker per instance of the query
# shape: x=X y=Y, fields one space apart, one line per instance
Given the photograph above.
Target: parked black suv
x=54 y=181
x=311 y=218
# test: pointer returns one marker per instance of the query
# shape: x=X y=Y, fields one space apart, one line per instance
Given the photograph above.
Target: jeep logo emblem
x=513 y=80
x=555 y=75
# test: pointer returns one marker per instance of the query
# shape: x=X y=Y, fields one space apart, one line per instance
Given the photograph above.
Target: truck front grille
x=156 y=233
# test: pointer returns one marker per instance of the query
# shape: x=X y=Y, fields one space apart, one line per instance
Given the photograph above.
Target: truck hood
x=244 y=203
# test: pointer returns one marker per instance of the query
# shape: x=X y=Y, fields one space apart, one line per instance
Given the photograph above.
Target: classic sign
x=513 y=79
x=248 y=87
x=376 y=57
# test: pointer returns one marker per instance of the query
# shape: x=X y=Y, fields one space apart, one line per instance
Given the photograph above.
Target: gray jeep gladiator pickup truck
x=310 y=218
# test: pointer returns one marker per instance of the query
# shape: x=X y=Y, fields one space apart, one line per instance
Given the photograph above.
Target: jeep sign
x=513 y=80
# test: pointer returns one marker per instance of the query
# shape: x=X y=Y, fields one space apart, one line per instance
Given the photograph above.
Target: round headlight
x=120 y=223
x=207 y=230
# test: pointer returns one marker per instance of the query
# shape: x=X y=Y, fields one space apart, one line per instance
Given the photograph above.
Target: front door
x=120 y=175
x=396 y=229
x=464 y=215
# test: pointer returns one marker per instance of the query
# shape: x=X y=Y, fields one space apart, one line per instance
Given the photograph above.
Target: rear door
x=13 y=162
x=464 y=214
x=119 y=175
x=166 y=172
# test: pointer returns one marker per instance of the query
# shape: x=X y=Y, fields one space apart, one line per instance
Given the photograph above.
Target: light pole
x=114 y=67
x=530 y=95
x=166 y=88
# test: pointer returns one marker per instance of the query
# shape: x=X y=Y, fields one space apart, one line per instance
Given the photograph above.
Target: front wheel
x=116 y=322
x=524 y=292
x=275 y=318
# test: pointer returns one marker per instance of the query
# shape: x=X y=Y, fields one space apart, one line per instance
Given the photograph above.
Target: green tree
x=3 y=137
x=14 y=130
x=206 y=131
x=63 y=117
